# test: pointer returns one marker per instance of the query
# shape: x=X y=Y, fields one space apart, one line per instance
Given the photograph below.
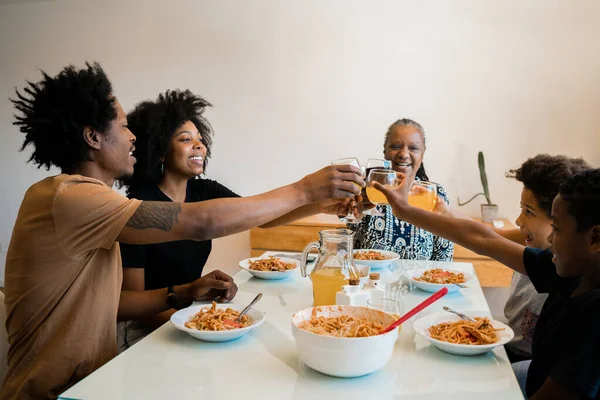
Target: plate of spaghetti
x=216 y=322
x=376 y=259
x=343 y=341
x=454 y=335
x=270 y=267
x=433 y=279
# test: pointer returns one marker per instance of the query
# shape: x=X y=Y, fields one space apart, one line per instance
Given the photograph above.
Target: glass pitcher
x=333 y=266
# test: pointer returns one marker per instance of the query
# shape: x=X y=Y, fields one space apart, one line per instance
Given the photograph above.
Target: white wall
x=296 y=84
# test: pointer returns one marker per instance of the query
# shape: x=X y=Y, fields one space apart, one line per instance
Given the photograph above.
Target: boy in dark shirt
x=566 y=349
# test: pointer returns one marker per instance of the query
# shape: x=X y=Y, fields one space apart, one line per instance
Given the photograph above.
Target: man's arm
x=157 y=222
x=332 y=207
x=475 y=236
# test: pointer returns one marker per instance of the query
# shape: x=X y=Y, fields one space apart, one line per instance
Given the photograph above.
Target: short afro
x=53 y=113
x=582 y=193
x=543 y=175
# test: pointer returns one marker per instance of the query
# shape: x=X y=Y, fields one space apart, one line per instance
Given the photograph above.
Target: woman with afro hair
x=173 y=146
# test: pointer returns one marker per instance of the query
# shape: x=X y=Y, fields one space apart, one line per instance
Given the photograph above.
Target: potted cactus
x=489 y=211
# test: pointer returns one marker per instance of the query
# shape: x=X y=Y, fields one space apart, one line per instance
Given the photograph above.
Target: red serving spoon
x=426 y=303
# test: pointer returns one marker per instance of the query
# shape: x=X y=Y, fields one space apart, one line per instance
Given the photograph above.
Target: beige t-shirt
x=63 y=280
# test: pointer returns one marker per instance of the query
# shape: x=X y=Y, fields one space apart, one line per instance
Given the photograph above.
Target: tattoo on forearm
x=155 y=214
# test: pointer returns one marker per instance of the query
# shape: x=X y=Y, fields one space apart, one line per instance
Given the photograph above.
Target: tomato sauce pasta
x=465 y=332
x=370 y=255
x=270 y=264
x=439 y=276
x=343 y=326
x=217 y=319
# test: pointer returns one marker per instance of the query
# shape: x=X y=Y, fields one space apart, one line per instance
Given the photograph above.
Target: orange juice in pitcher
x=326 y=283
x=333 y=266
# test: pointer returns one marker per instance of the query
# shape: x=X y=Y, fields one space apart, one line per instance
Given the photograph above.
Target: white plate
x=422 y=325
x=245 y=264
x=184 y=315
x=390 y=256
x=412 y=274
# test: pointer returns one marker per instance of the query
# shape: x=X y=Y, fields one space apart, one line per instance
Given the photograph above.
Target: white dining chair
x=496 y=298
x=3 y=339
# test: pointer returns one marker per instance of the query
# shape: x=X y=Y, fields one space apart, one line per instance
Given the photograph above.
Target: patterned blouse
x=390 y=233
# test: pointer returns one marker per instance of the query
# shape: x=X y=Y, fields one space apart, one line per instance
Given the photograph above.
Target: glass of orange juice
x=386 y=177
x=350 y=219
x=423 y=195
x=375 y=163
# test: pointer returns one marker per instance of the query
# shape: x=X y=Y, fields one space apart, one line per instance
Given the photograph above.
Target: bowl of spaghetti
x=454 y=335
x=343 y=341
x=216 y=322
x=376 y=259
x=433 y=279
x=270 y=267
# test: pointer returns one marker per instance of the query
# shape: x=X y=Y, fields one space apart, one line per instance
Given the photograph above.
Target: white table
x=170 y=364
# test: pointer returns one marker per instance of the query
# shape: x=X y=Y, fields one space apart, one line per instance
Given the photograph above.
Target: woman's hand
x=344 y=207
x=337 y=207
x=332 y=182
x=212 y=285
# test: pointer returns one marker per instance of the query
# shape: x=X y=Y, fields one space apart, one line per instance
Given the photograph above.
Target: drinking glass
x=387 y=305
x=386 y=177
x=375 y=163
x=350 y=219
x=423 y=195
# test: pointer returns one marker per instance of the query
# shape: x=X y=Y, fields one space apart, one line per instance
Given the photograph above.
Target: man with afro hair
x=63 y=268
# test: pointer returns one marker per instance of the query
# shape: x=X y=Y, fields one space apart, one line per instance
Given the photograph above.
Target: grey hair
x=421 y=174
x=404 y=122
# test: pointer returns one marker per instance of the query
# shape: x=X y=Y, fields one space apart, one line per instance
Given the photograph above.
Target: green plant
x=484 y=183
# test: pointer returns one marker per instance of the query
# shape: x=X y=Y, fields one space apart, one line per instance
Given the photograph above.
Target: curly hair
x=154 y=123
x=421 y=174
x=53 y=113
x=582 y=193
x=543 y=175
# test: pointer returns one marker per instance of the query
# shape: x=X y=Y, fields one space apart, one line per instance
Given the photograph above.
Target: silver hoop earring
x=162 y=168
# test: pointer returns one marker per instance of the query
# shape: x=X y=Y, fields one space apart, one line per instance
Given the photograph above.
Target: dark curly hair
x=53 y=113
x=543 y=175
x=154 y=123
x=421 y=174
x=582 y=193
